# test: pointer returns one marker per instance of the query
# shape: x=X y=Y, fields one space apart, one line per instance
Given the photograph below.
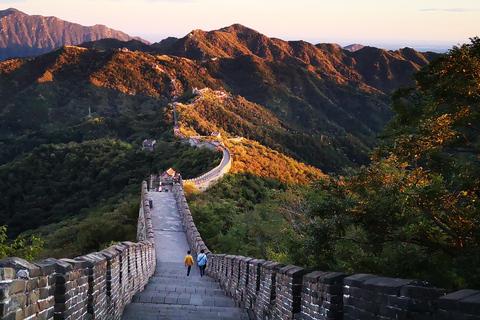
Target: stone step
x=147 y=311
x=180 y=298
x=174 y=268
x=170 y=294
x=193 y=290
x=194 y=274
x=184 y=280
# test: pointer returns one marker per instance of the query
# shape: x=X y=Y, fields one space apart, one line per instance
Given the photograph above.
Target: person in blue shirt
x=202 y=262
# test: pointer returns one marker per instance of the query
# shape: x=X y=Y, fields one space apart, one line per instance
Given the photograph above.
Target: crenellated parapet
x=99 y=285
x=288 y=291
x=194 y=238
x=272 y=290
x=94 y=286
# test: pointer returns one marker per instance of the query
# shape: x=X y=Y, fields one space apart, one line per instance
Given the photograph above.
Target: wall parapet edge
x=96 y=286
x=205 y=180
x=100 y=284
x=272 y=290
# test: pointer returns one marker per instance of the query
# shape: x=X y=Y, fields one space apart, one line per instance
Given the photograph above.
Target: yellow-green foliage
x=20 y=247
x=100 y=229
x=133 y=73
x=189 y=188
x=250 y=156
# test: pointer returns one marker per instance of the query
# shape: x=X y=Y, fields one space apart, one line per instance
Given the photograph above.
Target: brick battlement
x=94 y=286
x=99 y=285
x=272 y=290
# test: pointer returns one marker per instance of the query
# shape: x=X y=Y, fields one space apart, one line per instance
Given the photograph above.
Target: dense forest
x=411 y=213
x=311 y=184
x=78 y=197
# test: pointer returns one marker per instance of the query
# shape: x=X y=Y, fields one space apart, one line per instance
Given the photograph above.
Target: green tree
x=413 y=212
x=20 y=247
x=435 y=134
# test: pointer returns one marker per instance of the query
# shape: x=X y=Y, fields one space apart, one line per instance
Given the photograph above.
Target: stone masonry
x=271 y=290
x=94 y=286
x=99 y=285
x=288 y=292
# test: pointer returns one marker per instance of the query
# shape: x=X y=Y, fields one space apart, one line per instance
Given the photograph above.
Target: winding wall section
x=206 y=180
x=100 y=284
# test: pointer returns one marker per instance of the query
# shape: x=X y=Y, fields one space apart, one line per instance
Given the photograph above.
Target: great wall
x=101 y=284
x=114 y=283
x=207 y=179
x=95 y=286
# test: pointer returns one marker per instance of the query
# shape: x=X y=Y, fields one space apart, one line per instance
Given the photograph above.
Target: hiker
x=188 y=262
x=202 y=262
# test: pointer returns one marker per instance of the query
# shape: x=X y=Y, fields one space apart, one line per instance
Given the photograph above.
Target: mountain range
x=23 y=35
x=69 y=107
x=353 y=47
x=320 y=90
x=300 y=120
x=327 y=103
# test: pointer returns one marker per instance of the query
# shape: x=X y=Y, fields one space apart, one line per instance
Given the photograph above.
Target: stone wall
x=100 y=284
x=207 y=179
x=272 y=290
x=94 y=286
x=194 y=238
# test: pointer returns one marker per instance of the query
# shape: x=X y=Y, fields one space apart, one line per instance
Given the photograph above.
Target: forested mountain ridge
x=411 y=213
x=321 y=94
x=70 y=107
x=321 y=90
x=73 y=119
x=327 y=60
x=24 y=35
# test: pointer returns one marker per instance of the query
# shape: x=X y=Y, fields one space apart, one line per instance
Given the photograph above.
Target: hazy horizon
x=435 y=25
x=438 y=47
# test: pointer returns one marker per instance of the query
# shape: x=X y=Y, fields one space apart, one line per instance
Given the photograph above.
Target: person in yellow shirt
x=188 y=262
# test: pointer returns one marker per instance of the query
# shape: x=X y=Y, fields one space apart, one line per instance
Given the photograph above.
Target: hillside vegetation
x=321 y=90
x=55 y=183
x=411 y=213
x=72 y=122
x=318 y=117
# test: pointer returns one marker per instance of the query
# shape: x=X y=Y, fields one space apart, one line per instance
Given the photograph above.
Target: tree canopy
x=411 y=213
x=435 y=136
x=419 y=197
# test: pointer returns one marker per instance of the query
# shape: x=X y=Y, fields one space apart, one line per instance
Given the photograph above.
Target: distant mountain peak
x=9 y=11
x=354 y=47
x=28 y=35
x=238 y=28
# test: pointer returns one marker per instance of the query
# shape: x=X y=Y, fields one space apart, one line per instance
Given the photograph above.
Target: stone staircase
x=170 y=294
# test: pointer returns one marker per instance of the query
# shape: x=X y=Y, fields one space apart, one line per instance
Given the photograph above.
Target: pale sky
x=387 y=24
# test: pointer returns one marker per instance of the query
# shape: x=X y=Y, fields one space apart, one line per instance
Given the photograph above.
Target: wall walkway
x=170 y=294
x=206 y=180
x=143 y=280
x=100 y=285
